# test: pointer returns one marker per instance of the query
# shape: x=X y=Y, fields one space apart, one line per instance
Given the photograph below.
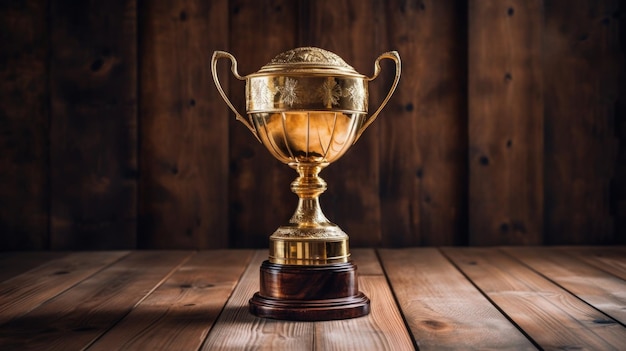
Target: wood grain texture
x=180 y=312
x=608 y=259
x=382 y=329
x=93 y=132
x=25 y=292
x=366 y=261
x=592 y=285
x=581 y=64
x=442 y=308
x=301 y=293
x=259 y=195
x=237 y=329
x=618 y=187
x=352 y=199
x=465 y=298
x=505 y=122
x=24 y=188
x=551 y=316
x=508 y=126
x=15 y=263
x=74 y=319
x=423 y=132
x=184 y=131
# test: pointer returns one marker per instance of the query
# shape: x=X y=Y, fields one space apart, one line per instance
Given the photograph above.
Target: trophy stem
x=309 y=276
x=309 y=238
x=309 y=186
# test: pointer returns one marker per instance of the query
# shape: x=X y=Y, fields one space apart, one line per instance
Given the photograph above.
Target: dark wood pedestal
x=309 y=293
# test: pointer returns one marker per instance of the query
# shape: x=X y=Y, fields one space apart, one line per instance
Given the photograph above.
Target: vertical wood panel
x=260 y=197
x=507 y=129
x=618 y=189
x=582 y=61
x=93 y=124
x=354 y=30
x=424 y=133
x=23 y=125
x=505 y=122
x=184 y=137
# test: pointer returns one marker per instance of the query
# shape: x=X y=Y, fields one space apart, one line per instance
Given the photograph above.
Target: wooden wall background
x=508 y=126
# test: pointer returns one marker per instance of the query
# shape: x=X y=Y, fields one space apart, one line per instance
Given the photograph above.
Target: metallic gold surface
x=307 y=136
x=309 y=238
x=268 y=93
x=307 y=106
x=308 y=252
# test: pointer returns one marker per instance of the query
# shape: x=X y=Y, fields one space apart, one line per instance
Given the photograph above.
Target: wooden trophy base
x=309 y=293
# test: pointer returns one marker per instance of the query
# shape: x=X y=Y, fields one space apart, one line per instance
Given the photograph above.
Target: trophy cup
x=307 y=106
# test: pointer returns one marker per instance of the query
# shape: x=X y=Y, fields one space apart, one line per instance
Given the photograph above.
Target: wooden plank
x=93 y=132
x=74 y=319
x=505 y=122
x=237 y=329
x=366 y=261
x=442 y=308
x=25 y=292
x=259 y=193
x=601 y=290
x=609 y=259
x=183 y=126
x=16 y=263
x=583 y=61
x=551 y=316
x=180 y=312
x=24 y=125
x=352 y=199
x=382 y=329
x=423 y=133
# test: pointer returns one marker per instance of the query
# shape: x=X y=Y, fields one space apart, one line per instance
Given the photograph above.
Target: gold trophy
x=307 y=106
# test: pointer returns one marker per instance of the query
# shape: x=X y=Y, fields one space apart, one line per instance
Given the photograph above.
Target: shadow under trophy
x=307 y=106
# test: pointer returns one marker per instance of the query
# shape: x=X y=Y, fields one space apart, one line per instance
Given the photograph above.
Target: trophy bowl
x=307 y=107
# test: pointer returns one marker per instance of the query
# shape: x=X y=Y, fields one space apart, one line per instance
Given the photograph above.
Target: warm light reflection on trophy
x=308 y=107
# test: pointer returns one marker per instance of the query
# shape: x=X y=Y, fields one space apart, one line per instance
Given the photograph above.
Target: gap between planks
x=382 y=329
x=15 y=263
x=181 y=311
x=80 y=315
x=596 y=287
x=550 y=315
x=443 y=309
x=25 y=292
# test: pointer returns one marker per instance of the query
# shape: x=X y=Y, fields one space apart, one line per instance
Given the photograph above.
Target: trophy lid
x=308 y=60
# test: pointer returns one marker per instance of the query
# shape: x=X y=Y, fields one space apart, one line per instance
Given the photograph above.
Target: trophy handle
x=223 y=54
x=392 y=55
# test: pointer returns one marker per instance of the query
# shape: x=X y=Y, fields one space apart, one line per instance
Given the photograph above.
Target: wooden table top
x=427 y=298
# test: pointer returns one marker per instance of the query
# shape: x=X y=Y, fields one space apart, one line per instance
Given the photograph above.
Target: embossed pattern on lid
x=308 y=58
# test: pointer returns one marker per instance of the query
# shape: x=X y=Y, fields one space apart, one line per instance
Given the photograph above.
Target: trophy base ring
x=309 y=293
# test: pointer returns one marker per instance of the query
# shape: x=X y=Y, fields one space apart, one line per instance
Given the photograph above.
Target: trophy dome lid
x=309 y=60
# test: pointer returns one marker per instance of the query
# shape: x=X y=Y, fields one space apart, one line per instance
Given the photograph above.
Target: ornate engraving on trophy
x=307 y=107
x=288 y=92
x=330 y=92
